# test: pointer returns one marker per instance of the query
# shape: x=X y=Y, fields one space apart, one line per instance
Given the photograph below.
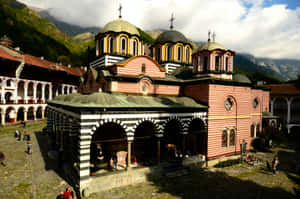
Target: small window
x=179 y=53
x=252 y=131
x=228 y=104
x=135 y=47
x=157 y=54
x=224 y=138
x=101 y=47
x=205 y=64
x=187 y=55
x=257 y=129
x=111 y=45
x=217 y=64
x=123 y=45
x=199 y=63
x=169 y=53
x=255 y=103
x=226 y=65
x=143 y=68
x=8 y=83
x=232 y=137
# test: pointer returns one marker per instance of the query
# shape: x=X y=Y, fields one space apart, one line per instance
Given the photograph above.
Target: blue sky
x=291 y=4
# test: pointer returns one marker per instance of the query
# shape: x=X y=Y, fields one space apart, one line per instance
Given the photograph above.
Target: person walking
x=2 y=158
x=20 y=136
x=29 y=146
x=17 y=133
x=67 y=193
x=275 y=163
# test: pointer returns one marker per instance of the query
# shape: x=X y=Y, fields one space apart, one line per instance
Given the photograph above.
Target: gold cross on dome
x=172 y=20
x=120 y=10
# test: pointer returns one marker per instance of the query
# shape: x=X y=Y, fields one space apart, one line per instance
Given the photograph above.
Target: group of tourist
x=26 y=137
x=68 y=194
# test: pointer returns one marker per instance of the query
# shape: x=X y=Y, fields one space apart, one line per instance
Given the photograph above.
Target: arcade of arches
x=124 y=140
x=22 y=99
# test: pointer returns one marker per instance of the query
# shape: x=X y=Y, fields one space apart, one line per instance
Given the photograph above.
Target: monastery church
x=137 y=105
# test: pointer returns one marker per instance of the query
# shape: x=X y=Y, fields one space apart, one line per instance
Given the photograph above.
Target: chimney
x=69 y=65
x=85 y=69
x=42 y=57
x=17 y=48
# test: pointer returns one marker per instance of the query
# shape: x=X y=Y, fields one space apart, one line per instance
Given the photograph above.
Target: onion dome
x=171 y=36
x=241 y=78
x=120 y=25
x=210 y=46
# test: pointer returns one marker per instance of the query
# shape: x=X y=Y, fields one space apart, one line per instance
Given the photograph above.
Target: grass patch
x=246 y=174
x=228 y=163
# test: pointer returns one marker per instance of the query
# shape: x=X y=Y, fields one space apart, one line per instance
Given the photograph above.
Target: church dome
x=241 y=78
x=171 y=36
x=210 y=46
x=120 y=25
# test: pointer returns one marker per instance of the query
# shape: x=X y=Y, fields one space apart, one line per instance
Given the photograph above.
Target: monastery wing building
x=137 y=109
x=27 y=82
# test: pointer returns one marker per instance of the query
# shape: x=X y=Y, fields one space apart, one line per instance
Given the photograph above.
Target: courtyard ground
x=36 y=175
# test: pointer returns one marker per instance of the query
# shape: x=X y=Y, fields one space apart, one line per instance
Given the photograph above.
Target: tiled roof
x=283 y=89
x=35 y=61
x=5 y=55
x=12 y=54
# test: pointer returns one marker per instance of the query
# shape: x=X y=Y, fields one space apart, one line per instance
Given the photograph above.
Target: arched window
x=224 y=138
x=217 y=63
x=226 y=65
x=199 y=63
x=232 y=137
x=135 y=47
x=257 y=129
x=157 y=56
x=123 y=45
x=179 y=53
x=101 y=47
x=187 y=55
x=111 y=45
x=252 y=131
x=168 y=53
x=205 y=64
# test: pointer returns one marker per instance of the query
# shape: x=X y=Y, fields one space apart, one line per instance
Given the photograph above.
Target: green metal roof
x=106 y=100
x=210 y=46
x=171 y=36
x=241 y=78
x=120 y=25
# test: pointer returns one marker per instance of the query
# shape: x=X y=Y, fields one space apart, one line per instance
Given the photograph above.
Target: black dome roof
x=171 y=36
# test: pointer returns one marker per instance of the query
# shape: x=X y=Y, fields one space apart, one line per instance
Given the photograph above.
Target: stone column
x=50 y=91
x=3 y=118
x=34 y=92
x=129 y=142
x=158 y=150
x=26 y=93
x=43 y=113
x=43 y=93
x=272 y=106
x=25 y=115
x=289 y=102
x=2 y=94
x=68 y=89
x=34 y=114
x=16 y=93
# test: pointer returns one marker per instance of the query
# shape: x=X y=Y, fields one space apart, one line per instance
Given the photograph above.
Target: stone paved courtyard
x=36 y=176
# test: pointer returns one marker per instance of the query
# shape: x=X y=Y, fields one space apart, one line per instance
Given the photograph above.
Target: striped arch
x=188 y=123
x=174 y=118
x=105 y=121
x=154 y=122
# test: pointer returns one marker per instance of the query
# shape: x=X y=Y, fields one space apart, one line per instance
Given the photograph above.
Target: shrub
x=228 y=163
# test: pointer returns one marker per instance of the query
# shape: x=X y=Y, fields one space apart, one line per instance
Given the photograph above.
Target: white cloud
x=241 y=25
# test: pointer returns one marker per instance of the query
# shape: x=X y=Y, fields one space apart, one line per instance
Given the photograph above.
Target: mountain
x=69 y=29
x=37 y=36
x=288 y=68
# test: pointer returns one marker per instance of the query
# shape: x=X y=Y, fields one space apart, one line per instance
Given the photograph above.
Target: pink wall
x=240 y=116
x=134 y=68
